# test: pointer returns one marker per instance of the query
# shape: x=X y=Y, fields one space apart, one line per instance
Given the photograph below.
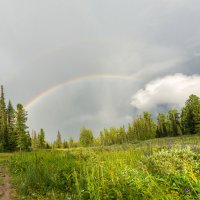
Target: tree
x=65 y=144
x=130 y=132
x=86 y=137
x=162 y=125
x=3 y=122
x=41 y=139
x=71 y=142
x=20 y=128
x=149 y=125
x=34 y=140
x=12 y=144
x=174 y=118
x=102 y=138
x=143 y=127
x=58 y=142
x=121 y=135
x=190 y=116
x=28 y=141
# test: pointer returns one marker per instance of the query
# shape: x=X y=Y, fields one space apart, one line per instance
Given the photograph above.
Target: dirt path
x=5 y=187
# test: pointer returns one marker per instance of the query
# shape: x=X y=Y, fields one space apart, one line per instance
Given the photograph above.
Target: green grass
x=167 y=168
x=5 y=156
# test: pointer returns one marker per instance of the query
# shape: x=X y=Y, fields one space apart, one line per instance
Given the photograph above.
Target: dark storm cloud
x=43 y=43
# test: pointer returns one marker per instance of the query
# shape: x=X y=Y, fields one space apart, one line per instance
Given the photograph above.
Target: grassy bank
x=166 y=168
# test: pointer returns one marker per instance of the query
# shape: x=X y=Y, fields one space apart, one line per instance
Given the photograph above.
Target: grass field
x=167 y=168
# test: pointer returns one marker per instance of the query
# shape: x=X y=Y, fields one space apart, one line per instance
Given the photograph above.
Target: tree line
x=13 y=130
x=15 y=137
x=143 y=127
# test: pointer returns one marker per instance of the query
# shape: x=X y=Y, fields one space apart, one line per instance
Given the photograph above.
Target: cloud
x=44 y=46
x=169 y=91
x=94 y=103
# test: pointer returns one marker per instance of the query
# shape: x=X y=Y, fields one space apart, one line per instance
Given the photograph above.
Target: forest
x=14 y=134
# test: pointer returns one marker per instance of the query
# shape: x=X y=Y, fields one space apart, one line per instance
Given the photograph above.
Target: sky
x=98 y=63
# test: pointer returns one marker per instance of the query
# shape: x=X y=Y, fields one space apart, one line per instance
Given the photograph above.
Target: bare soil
x=5 y=187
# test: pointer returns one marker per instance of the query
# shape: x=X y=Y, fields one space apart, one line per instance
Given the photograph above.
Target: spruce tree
x=34 y=140
x=20 y=128
x=41 y=139
x=3 y=122
x=12 y=144
x=58 y=142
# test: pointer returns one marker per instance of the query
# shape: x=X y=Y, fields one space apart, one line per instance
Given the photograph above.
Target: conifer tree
x=3 y=122
x=12 y=144
x=28 y=141
x=41 y=139
x=58 y=142
x=34 y=140
x=20 y=128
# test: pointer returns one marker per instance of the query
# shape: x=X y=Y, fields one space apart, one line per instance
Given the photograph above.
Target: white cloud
x=171 y=90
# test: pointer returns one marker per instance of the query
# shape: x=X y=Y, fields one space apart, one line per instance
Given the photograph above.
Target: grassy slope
x=167 y=168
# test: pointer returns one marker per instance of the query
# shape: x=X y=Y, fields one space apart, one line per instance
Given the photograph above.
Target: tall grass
x=156 y=169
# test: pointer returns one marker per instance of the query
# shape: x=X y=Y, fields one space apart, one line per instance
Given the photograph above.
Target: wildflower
x=187 y=190
x=147 y=153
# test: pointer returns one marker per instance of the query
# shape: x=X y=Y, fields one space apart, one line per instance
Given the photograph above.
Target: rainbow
x=52 y=89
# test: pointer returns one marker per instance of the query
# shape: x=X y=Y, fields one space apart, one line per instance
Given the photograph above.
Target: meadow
x=166 y=168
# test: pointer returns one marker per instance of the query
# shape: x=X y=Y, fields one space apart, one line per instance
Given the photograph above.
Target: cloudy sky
x=98 y=63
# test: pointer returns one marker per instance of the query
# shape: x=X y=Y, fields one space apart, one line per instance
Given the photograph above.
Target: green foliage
x=12 y=139
x=3 y=122
x=86 y=137
x=13 y=134
x=178 y=168
x=58 y=142
x=23 y=140
x=71 y=142
x=190 y=116
x=169 y=125
x=163 y=125
x=175 y=124
x=113 y=136
x=38 y=140
x=65 y=144
x=34 y=140
x=41 y=139
x=155 y=169
x=143 y=127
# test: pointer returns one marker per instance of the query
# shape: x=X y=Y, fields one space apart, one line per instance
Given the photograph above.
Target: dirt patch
x=5 y=187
